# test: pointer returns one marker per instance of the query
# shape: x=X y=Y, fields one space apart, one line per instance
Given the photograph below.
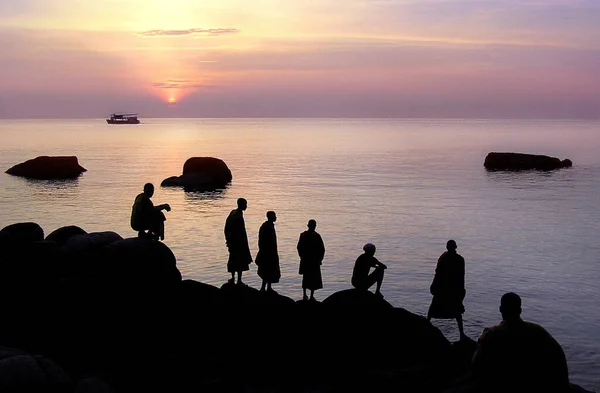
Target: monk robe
x=237 y=242
x=448 y=287
x=267 y=258
x=311 y=251
x=144 y=216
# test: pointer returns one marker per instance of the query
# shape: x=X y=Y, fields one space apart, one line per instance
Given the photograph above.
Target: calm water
x=405 y=185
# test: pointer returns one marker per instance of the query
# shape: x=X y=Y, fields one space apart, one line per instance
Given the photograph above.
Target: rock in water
x=48 y=168
x=201 y=173
x=520 y=161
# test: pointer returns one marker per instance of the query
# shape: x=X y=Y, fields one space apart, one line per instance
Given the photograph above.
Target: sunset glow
x=411 y=58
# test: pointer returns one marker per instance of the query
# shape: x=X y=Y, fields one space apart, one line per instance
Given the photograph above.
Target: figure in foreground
x=147 y=217
x=236 y=239
x=267 y=258
x=519 y=356
x=361 y=279
x=448 y=287
x=311 y=250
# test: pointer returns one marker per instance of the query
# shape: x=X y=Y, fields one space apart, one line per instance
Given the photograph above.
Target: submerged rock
x=201 y=173
x=48 y=168
x=520 y=161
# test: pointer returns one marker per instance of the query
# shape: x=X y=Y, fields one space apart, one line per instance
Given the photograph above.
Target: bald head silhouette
x=510 y=306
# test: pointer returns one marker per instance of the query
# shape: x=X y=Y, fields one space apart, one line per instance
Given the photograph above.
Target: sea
x=406 y=186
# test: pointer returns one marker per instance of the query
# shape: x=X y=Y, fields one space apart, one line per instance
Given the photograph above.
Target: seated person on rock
x=361 y=279
x=519 y=356
x=147 y=217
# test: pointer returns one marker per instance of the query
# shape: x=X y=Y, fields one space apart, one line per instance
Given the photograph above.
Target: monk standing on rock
x=236 y=239
x=311 y=251
x=448 y=287
x=267 y=258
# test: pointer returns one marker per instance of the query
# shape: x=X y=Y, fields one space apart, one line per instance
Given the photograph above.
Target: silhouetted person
x=448 y=287
x=311 y=250
x=519 y=356
x=237 y=242
x=147 y=217
x=361 y=279
x=267 y=258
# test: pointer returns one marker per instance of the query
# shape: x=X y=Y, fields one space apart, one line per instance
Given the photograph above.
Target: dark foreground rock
x=22 y=372
x=48 y=168
x=126 y=316
x=61 y=235
x=520 y=161
x=202 y=174
x=19 y=234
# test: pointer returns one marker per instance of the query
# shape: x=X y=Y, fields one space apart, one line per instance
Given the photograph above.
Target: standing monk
x=267 y=258
x=448 y=287
x=311 y=251
x=237 y=242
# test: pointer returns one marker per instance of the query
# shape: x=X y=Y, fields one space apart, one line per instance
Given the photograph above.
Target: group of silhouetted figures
x=510 y=349
x=149 y=220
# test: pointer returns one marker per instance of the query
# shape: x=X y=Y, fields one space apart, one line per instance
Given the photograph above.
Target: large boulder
x=61 y=235
x=202 y=174
x=48 y=168
x=136 y=262
x=26 y=373
x=520 y=161
x=18 y=234
x=356 y=298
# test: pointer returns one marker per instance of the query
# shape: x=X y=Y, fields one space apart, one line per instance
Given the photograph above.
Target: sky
x=300 y=58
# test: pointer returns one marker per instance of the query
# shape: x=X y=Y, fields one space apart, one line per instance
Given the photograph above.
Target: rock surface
x=520 y=161
x=48 y=168
x=202 y=174
x=133 y=322
x=61 y=235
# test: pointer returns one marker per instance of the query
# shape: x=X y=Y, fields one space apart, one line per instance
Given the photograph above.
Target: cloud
x=180 y=84
x=188 y=32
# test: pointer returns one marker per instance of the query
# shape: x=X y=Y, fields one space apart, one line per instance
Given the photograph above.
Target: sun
x=172 y=100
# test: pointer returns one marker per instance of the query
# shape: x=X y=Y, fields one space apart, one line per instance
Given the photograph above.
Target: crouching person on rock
x=147 y=217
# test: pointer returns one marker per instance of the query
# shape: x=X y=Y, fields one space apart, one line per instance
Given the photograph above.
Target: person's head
x=271 y=216
x=149 y=189
x=312 y=224
x=369 y=249
x=242 y=203
x=451 y=245
x=510 y=306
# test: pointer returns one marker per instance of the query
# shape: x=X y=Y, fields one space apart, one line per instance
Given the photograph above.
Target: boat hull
x=129 y=121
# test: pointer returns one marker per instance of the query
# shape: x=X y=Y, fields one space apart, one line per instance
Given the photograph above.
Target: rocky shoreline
x=93 y=312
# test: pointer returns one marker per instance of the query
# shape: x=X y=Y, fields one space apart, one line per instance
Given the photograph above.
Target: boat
x=123 y=118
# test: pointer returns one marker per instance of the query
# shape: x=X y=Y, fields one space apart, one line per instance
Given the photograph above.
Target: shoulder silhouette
x=519 y=356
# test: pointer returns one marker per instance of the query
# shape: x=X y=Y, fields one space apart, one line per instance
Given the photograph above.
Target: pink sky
x=357 y=58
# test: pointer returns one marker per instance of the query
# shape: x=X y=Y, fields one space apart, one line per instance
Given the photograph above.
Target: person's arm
x=164 y=206
x=376 y=264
